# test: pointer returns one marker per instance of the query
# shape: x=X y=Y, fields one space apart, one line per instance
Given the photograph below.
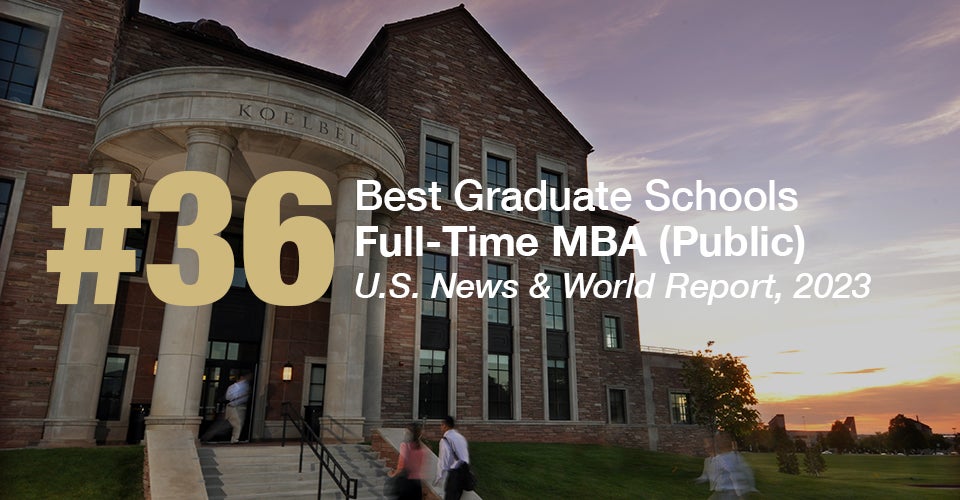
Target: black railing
x=310 y=438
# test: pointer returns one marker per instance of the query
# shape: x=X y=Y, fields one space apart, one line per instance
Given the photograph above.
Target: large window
x=138 y=240
x=110 y=406
x=433 y=383
x=608 y=266
x=11 y=195
x=6 y=198
x=680 y=408
x=498 y=387
x=434 y=336
x=618 y=405
x=558 y=389
x=439 y=155
x=21 y=56
x=499 y=346
x=437 y=166
x=611 y=333
x=498 y=177
x=28 y=38
x=558 y=372
x=554 y=182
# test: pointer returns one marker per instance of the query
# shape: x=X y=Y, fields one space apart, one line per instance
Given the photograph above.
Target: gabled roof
x=379 y=44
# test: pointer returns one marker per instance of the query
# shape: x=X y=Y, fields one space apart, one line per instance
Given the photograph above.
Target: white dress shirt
x=446 y=461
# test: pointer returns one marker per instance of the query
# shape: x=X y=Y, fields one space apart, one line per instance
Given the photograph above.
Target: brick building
x=98 y=87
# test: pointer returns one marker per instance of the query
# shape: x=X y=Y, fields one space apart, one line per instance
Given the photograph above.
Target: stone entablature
x=142 y=119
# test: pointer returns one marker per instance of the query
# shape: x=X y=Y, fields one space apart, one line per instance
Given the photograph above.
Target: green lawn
x=110 y=472
x=522 y=471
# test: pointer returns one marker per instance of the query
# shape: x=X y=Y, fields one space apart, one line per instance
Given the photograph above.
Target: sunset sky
x=854 y=104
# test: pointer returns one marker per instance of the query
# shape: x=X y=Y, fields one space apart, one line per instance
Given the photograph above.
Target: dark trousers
x=453 y=488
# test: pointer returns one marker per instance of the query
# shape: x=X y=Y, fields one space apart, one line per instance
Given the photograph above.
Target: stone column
x=376 y=317
x=72 y=414
x=183 y=337
x=343 y=400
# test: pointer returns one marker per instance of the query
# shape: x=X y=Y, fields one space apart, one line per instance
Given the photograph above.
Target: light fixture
x=155 y=363
x=287 y=374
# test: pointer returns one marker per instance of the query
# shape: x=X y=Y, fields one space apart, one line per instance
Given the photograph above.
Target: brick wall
x=48 y=148
x=447 y=72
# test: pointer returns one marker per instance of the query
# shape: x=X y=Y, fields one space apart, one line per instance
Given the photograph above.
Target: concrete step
x=257 y=471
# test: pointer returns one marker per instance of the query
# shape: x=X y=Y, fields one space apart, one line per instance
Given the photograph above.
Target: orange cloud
x=858 y=372
x=934 y=401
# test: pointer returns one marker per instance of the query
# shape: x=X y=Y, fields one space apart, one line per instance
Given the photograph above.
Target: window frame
x=559 y=168
x=448 y=343
x=674 y=420
x=619 y=332
x=443 y=133
x=19 y=180
x=624 y=402
x=39 y=16
x=149 y=251
x=512 y=358
x=492 y=148
x=568 y=356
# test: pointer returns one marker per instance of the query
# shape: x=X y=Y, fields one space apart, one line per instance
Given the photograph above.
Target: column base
x=342 y=429
x=369 y=426
x=68 y=433
x=160 y=422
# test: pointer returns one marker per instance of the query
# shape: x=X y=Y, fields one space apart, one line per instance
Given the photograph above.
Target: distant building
x=810 y=437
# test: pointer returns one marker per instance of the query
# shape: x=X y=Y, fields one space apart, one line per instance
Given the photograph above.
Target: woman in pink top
x=411 y=464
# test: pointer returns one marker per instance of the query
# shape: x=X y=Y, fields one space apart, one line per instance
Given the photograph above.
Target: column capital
x=355 y=171
x=210 y=135
x=103 y=165
x=384 y=219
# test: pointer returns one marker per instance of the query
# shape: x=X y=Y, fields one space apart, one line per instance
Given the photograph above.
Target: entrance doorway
x=233 y=348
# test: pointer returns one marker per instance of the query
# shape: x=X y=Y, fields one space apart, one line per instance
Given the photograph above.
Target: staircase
x=261 y=471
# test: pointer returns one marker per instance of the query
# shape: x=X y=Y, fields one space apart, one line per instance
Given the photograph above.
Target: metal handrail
x=346 y=484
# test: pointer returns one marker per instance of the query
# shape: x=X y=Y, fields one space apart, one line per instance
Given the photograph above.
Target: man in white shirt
x=453 y=455
x=237 y=395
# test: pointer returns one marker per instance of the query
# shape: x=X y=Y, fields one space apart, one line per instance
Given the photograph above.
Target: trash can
x=138 y=422
x=312 y=414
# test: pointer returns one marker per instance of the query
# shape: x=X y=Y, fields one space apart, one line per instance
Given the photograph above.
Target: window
x=138 y=240
x=28 y=37
x=499 y=168
x=6 y=199
x=435 y=303
x=498 y=177
x=558 y=374
x=110 y=406
x=499 y=346
x=611 y=333
x=553 y=183
x=433 y=383
x=21 y=54
x=439 y=156
x=436 y=167
x=318 y=379
x=680 y=408
x=618 y=405
x=608 y=269
x=498 y=386
x=434 y=336
x=558 y=389
x=11 y=194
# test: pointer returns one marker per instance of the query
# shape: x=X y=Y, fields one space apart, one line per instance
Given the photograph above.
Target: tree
x=813 y=462
x=840 y=438
x=875 y=444
x=905 y=434
x=721 y=394
x=787 y=462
